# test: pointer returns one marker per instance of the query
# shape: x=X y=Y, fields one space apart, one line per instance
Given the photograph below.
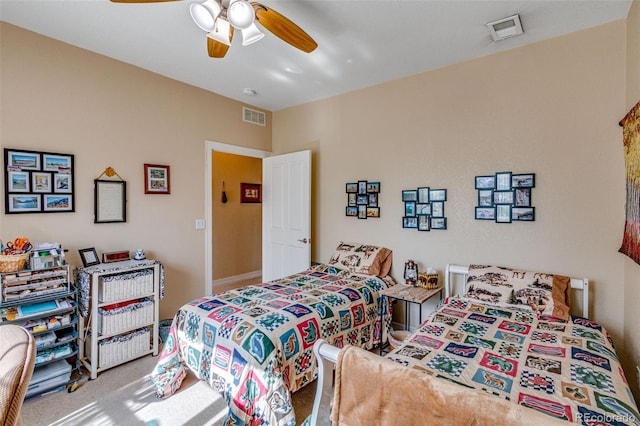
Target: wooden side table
x=410 y=294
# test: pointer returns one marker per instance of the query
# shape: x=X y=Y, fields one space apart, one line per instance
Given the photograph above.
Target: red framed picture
x=156 y=179
x=250 y=193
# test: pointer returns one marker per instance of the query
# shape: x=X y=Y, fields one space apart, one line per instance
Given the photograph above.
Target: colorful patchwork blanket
x=566 y=369
x=254 y=345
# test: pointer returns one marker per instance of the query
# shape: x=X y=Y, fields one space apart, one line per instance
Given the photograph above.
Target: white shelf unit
x=107 y=341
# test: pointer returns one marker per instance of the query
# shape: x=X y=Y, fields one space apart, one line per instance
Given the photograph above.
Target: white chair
x=17 y=360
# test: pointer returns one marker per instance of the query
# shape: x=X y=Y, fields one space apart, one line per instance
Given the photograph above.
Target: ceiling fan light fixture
x=221 y=32
x=241 y=14
x=251 y=34
x=205 y=14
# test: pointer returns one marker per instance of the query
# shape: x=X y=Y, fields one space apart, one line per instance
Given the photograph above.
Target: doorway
x=214 y=187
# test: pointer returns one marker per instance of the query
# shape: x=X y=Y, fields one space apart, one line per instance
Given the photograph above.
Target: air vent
x=255 y=117
x=505 y=28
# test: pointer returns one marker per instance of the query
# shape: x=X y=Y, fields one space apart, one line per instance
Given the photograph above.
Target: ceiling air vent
x=505 y=28
x=252 y=116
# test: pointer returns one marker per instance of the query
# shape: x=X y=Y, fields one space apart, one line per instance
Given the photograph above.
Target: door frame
x=210 y=148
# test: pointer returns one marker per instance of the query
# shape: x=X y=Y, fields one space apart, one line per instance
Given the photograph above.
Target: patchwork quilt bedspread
x=254 y=345
x=568 y=370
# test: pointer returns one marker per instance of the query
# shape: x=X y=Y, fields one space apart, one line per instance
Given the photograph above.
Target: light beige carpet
x=124 y=396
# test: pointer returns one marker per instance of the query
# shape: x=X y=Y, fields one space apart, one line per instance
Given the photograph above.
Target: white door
x=286 y=214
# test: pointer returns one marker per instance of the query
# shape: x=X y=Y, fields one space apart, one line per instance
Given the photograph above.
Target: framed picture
x=22 y=160
x=33 y=178
x=250 y=193
x=522 y=197
x=57 y=202
x=351 y=199
x=157 y=179
x=373 y=200
x=423 y=194
x=485 y=182
x=362 y=211
x=503 y=181
x=424 y=224
x=18 y=182
x=55 y=162
x=423 y=208
x=352 y=188
x=438 y=223
x=40 y=182
x=410 y=222
x=410 y=195
x=485 y=197
x=502 y=197
x=410 y=208
x=523 y=180
x=89 y=257
x=109 y=201
x=438 y=195
x=437 y=209
x=23 y=203
x=523 y=213
x=373 y=211
x=485 y=213
x=62 y=182
x=362 y=199
x=351 y=211
x=373 y=187
x=362 y=187
x=503 y=213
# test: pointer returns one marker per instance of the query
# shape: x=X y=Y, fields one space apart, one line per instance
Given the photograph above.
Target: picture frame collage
x=362 y=199
x=424 y=209
x=38 y=182
x=505 y=197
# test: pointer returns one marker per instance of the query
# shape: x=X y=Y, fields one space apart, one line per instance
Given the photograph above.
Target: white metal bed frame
x=327 y=355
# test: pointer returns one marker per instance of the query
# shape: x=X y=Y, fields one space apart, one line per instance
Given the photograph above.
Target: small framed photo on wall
x=156 y=179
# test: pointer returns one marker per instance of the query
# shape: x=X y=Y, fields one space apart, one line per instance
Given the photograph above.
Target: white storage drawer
x=125 y=286
x=125 y=347
x=120 y=317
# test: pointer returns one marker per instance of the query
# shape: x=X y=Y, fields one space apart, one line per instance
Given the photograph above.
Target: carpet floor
x=124 y=396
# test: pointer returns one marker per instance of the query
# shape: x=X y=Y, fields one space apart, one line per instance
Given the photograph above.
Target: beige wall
x=56 y=97
x=632 y=270
x=237 y=227
x=551 y=108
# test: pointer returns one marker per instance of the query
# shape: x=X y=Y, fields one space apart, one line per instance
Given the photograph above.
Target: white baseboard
x=230 y=280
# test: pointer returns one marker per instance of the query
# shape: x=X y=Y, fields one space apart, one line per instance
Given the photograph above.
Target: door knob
x=305 y=241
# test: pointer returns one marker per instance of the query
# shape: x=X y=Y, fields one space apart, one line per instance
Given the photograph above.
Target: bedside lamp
x=410 y=272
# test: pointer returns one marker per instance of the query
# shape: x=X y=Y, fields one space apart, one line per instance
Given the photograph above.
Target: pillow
x=545 y=294
x=362 y=258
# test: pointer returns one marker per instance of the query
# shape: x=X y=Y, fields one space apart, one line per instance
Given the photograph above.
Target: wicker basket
x=13 y=262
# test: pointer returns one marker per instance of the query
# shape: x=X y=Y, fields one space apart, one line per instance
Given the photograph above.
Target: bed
x=509 y=336
x=254 y=345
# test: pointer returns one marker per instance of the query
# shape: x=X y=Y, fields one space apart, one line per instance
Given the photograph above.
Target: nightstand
x=410 y=294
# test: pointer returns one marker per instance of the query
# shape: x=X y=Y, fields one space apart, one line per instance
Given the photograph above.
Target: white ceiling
x=360 y=43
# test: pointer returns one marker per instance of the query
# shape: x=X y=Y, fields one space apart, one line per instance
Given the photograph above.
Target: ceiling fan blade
x=283 y=28
x=140 y=1
x=217 y=49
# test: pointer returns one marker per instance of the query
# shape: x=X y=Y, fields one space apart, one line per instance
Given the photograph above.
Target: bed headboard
x=463 y=271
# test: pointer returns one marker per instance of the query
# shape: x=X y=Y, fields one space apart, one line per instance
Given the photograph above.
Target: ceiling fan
x=220 y=18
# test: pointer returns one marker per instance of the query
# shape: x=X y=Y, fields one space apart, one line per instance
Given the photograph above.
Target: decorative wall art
x=157 y=179
x=250 y=193
x=38 y=182
x=109 y=198
x=362 y=199
x=631 y=140
x=505 y=197
x=424 y=208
